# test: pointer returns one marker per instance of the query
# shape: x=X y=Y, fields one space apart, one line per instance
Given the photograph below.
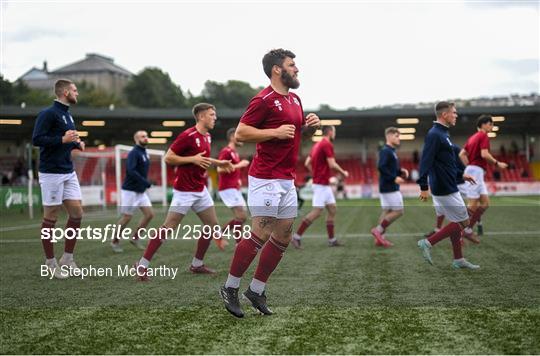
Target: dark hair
x=483 y=119
x=200 y=107
x=391 y=130
x=230 y=132
x=442 y=106
x=326 y=129
x=275 y=58
x=61 y=85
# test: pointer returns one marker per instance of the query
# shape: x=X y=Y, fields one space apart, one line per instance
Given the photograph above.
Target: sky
x=349 y=53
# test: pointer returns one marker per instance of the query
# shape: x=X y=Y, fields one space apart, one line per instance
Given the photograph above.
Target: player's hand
x=285 y=132
x=346 y=174
x=424 y=195
x=502 y=165
x=70 y=136
x=242 y=164
x=404 y=173
x=312 y=120
x=468 y=178
x=399 y=180
x=201 y=161
x=82 y=145
x=227 y=166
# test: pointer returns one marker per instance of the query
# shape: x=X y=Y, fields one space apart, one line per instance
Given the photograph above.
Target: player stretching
x=390 y=177
x=55 y=134
x=439 y=162
x=475 y=154
x=274 y=120
x=229 y=185
x=190 y=153
x=134 y=190
x=320 y=162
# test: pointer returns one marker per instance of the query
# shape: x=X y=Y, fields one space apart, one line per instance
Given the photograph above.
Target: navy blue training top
x=51 y=125
x=389 y=169
x=137 y=167
x=438 y=162
x=460 y=167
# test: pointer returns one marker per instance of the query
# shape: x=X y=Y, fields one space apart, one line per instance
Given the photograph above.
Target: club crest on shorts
x=267 y=202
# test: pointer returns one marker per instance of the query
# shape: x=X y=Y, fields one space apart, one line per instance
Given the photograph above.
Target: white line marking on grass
x=407 y=234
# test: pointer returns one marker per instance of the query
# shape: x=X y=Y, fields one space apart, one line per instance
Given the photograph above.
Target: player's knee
x=76 y=213
x=399 y=213
x=149 y=216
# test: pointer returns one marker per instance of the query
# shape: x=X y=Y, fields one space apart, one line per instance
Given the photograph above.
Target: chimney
x=45 y=69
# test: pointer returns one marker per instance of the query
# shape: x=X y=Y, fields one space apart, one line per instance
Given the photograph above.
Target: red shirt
x=190 y=177
x=320 y=152
x=477 y=142
x=229 y=180
x=275 y=159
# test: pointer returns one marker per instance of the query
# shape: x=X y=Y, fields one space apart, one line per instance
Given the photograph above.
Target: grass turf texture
x=354 y=299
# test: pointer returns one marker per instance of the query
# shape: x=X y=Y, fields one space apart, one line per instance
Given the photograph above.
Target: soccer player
x=56 y=136
x=190 y=153
x=274 y=120
x=391 y=175
x=229 y=185
x=134 y=190
x=320 y=162
x=439 y=163
x=475 y=154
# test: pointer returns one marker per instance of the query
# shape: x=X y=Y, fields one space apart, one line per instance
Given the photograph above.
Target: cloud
x=524 y=67
x=30 y=34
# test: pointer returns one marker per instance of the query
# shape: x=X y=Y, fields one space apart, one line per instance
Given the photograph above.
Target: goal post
x=157 y=173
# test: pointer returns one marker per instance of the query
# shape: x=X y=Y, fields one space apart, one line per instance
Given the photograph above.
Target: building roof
x=34 y=73
x=93 y=63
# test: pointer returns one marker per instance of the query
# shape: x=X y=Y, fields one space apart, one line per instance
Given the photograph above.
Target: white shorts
x=322 y=195
x=463 y=189
x=451 y=206
x=475 y=190
x=57 y=187
x=197 y=201
x=391 y=201
x=132 y=200
x=232 y=197
x=272 y=197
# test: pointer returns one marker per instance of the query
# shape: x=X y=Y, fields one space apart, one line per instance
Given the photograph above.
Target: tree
x=96 y=97
x=18 y=92
x=152 y=88
x=234 y=94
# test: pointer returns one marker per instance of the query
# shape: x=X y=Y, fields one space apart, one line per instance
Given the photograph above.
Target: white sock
x=460 y=260
x=468 y=230
x=67 y=256
x=196 y=262
x=257 y=286
x=232 y=282
x=379 y=228
x=427 y=242
x=144 y=262
x=334 y=239
x=50 y=261
x=297 y=237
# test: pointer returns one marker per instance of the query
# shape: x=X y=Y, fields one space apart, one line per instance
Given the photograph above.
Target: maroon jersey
x=190 y=177
x=229 y=180
x=275 y=159
x=475 y=144
x=320 y=152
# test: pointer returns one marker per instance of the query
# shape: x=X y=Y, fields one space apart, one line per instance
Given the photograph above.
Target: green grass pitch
x=352 y=299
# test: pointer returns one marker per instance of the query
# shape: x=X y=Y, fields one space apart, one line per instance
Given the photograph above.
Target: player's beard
x=143 y=143
x=289 y=81
x=71 y=99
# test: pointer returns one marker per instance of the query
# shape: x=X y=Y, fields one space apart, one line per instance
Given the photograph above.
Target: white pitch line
x=407 y=234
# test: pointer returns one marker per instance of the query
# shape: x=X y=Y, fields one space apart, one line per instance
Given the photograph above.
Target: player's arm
x=335 y=166
x=171 y=158
x=247 y=133
x=312 y=124
x=41 y=135
x=431 y=146
x=131 y=169
x=307 y=164
x=464 y=157
x=224 y=164
x=386 y=170
x=487 y=156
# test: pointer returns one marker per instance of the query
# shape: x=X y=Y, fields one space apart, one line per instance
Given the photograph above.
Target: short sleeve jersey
x=474 y=146
x=320 y=153
x=229 y=180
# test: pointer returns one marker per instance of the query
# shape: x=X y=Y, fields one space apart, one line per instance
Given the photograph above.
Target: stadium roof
x=119 y=124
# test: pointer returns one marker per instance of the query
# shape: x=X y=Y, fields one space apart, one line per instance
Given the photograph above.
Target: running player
x=56 y=136
x=229 y=186
x=190 y=153
x=391 y=175
x=475 y=154
x=320 y=162
x=274 y=120
x=133 y=194
x=439 y=163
